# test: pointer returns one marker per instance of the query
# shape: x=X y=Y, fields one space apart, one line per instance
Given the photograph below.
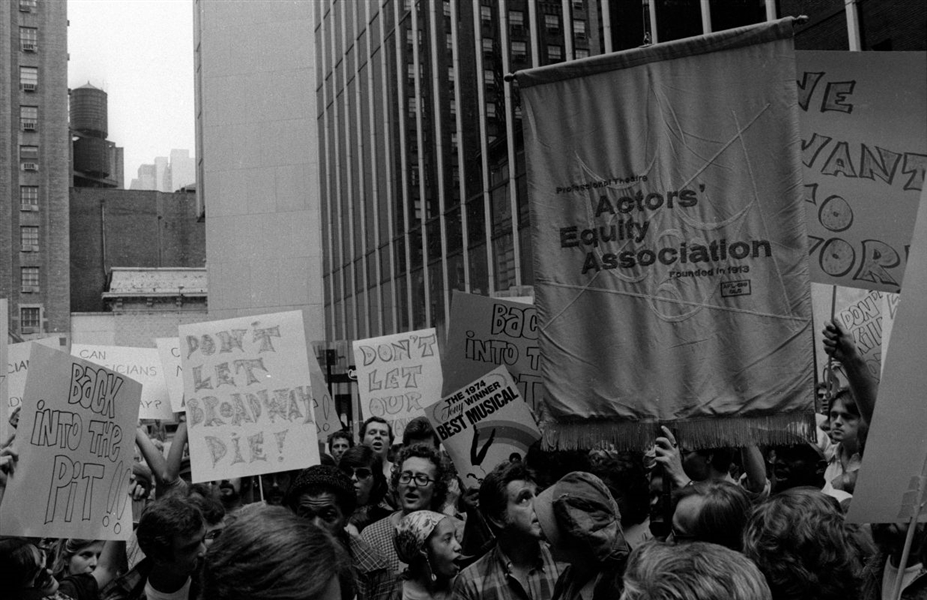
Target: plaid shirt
x=374 y=581
x=491 y=578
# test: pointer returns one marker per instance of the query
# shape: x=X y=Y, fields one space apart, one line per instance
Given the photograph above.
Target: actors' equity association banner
x=397 y=375
x=864 y=150
x=75 y=439
x=248 y=394
x=484 y=424
x=487 y=332
x=142 y=365
x=667 y=219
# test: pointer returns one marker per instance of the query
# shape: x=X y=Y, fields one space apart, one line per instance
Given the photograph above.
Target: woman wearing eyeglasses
x=419 y=481
x=365 y=468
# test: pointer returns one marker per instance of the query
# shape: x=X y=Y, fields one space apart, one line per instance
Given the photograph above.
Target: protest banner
x=17 y=370
x=892 y=472
x=484 y=424
x=142 y=365
x=397 y=374
x=249 y=396
x=4 y=387
x=671 y=275
x=75 y=441
x=488 y=332
x=326 y=416
x=169 y=353
x=889 y=310
x=864 y=151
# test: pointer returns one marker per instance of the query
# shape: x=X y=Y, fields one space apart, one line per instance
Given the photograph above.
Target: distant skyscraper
x=166 y=175
x=34 y=166
x=183 y=169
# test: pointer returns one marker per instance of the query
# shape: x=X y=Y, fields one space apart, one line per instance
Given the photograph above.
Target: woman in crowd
x=425 y=540
x=25 y=573
x=269 y=553
x=711 y=511
x=75 y=556
x=365 y=468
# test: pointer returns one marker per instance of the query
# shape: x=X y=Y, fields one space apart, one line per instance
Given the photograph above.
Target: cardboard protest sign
x=75 y=440
x=142 y=365
x=483 y=424
x=864 y=151
x=249 y=396
x=671 y=276
x=17 y=370
x=863 y=320
x=397 y=375
x=896 y=448
x=487 y=332
x=326 y=416
x=4 y=393
x=889 y=310
x=169 y=353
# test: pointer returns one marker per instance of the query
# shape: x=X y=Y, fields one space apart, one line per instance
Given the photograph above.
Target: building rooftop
x=138 y=282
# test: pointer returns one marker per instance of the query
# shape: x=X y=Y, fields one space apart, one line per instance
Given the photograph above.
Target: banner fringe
x=773 y=430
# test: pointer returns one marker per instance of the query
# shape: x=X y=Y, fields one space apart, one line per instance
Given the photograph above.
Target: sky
x=140 y=52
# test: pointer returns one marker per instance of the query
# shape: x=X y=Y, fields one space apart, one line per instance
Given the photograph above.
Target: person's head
x=889 y=538
x=426 y=541
x=796 y=466
x=624 y=475
x=581 y=520
x=845 y=422
x=324 y=495
x=340 y=442
x=711 y=511
x=75 y=556
x=377 y=433
x=275 y=485
x=507 y=502
x=229 y=492
x=700 y=465
x=697 y=571
x=269 y=553
x=207 y=499
x=800 y=542
x=172 y=532
x=365 y=468
x=420 y=431
x=419 y=478
x=23 y=567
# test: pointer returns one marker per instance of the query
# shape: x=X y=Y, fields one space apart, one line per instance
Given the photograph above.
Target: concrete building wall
x=129 y=228
x=133 y=329
x=257 y=140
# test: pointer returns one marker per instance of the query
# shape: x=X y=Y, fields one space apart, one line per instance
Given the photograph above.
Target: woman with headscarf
x=426 y=541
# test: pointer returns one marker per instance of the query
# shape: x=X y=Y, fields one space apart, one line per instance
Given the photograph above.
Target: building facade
x=34 y=166
x=420 y=132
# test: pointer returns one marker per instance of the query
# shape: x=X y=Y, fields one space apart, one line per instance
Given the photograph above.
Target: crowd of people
x=382 y=519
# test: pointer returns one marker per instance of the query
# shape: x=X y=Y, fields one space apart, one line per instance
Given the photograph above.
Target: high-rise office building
x=34 y=166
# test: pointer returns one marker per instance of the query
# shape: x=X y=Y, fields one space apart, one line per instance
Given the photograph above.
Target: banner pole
x=260 y=487
x=912 y=527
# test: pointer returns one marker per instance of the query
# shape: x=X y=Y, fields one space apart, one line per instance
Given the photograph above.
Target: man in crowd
x=325 y=495
x=378 y=434
x=339 y=442
x=520 y=565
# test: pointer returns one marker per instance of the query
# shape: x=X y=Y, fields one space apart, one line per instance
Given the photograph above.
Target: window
x=582 y=53
x=28 y=152
x=28 y=116
x=450 y=74
x=447 y=8
x=487 y=45
x=554 y=53
x=413 y=107
x=30 y=279
x=29 y=78
x=29 y=238
x=552 y=22
x=453 y=108
x=30 y=317
x=486 y=13
x=516 y=20
x=28 y=39
x=450 y=43
x=491 y=110
x=26 y=5
x=410 y=69
x=29 y=197
x=579 y=29
x=577 y=4
x=454 y=140
x=519 y=50
x=489 y=78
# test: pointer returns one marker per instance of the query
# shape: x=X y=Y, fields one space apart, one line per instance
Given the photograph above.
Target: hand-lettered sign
x=863 y=320
x=397 y=375
x=488 y=332
x=249 y=396
x=75 y=440
x=17 y=369
x=483 y=424
x=326 y=415
x=864 y=150
x=169 y=353
x=142 y=365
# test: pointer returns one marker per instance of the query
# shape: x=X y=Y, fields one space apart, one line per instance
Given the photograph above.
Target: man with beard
x=325 y=496
x=376 y=433
x=520 y=566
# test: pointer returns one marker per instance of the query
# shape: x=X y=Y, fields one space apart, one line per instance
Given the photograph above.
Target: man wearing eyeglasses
x=419 y=483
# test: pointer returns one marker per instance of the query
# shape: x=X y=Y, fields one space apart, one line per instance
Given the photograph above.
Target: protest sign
x=896 y=447
x=249 y=397
x=864 y=151
x=17 y=370
x=671 y=275
x=889 y=310
x=397 y=375
x=487 y=332
x=863 y=320
x=142 y=365
x=4 y=388
x=484 y=424
x=169 y=353
x=75 y=441
x=326 y=416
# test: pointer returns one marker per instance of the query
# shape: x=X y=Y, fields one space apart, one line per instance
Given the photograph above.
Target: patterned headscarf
x=412 y=532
